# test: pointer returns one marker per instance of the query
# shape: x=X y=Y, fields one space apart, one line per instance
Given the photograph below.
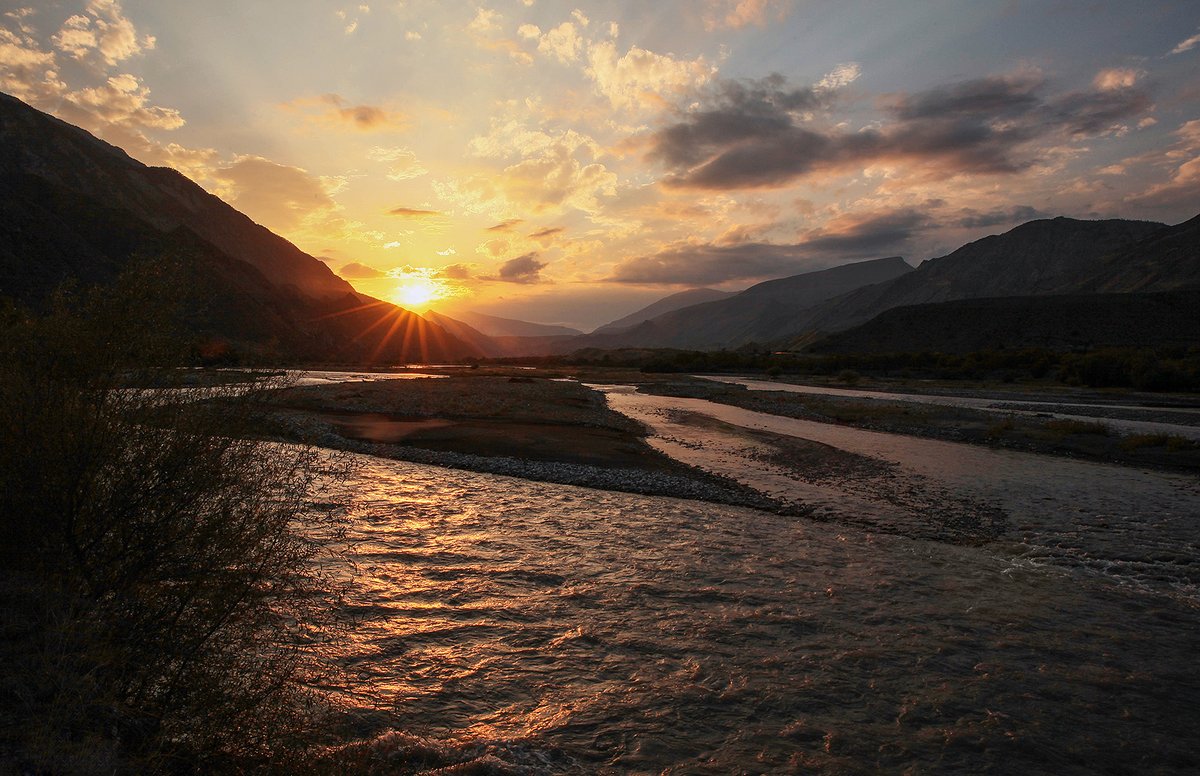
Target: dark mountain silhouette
x=1166 y=260
x=667 y=304
x=1061 y=322
x=73 y=208
x=501 y=346
x=1073 y=285
x=493 y=326
x=754 y=315
x=1051 y=256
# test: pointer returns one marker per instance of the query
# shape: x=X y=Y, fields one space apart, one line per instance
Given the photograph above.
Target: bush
x=158 y=574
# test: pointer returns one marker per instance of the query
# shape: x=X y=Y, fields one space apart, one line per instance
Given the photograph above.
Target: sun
x=418 y=292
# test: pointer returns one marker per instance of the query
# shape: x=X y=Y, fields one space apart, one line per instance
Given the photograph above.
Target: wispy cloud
x=1187 y=44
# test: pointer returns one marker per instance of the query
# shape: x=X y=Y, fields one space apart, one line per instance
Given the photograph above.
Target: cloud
x=544 y=235
x=336 y=111
x=281 y=197
x=455 y=272
x=702 y=263
x=26 y=71
x=740 y=13
x=474 y=194
x=123 y=100
x=486 y=20
x=643 y=79
x=1017 y=214
x=523 y=269
x=839 y=78
x=699 y=262
x=1186 y=45
x=359 y=271
x=1116 y=78
x=864 y=235
x=408 y=212
x=101 y=31
x=552 y=171
x=402 y=163
x=761 y=134
x=562 y=42
x=506 y=226
x=1180 y=192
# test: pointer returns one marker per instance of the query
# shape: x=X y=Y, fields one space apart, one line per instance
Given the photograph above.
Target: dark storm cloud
x=759 y=135
x=876 y=235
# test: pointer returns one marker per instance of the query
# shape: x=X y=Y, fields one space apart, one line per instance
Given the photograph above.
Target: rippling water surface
x=574 y=630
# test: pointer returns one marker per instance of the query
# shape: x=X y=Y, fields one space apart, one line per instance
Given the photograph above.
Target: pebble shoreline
x=700 y=487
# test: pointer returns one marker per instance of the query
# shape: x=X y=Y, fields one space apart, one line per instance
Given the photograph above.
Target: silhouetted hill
x=493 y=326
x=1060 y=322
x=75 y=208
x=692 y=296
x=754 y=315
x=1166 y=260
x=1052 y=256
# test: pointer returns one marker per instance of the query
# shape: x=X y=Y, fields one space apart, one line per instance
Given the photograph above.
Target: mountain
x=1049 y=256
x=667 y=304
x=1059 y=322
x=1166 y=260
x=74 y=208
x=492 y=326
x=758 y=314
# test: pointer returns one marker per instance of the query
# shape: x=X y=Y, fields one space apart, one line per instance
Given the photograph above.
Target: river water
x=563 y=629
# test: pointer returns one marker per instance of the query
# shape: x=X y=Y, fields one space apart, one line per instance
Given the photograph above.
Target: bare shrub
x=161 y=601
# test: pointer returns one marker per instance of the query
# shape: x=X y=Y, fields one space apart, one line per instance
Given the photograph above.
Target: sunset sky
x=570 y=162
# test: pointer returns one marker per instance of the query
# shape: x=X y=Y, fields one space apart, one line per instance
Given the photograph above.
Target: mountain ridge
x=74 y=208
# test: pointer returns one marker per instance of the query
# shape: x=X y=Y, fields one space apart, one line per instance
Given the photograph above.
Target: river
x=563 y=629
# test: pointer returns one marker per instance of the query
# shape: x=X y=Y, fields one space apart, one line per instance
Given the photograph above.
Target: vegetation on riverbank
x=1090 y=440
x=1143 y=369
x=162 y=604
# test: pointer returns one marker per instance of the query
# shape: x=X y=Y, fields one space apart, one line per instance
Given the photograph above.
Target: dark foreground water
x=572 y=630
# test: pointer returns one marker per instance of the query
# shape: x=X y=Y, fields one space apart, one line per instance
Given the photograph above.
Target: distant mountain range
x=758 y=314
x=492 y=326
x=692 y=296
x=73 y=207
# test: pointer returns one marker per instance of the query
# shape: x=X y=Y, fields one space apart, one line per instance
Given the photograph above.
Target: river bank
x=537 y=428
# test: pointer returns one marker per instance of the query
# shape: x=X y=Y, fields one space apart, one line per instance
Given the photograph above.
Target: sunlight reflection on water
x=623 y=633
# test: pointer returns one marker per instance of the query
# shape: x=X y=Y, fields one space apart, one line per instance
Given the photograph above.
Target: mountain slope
x=667 y=304
x=1052 y=256
x=1059 y=322
x=75 y=208
x=493 y=326
x=1168 y=259
x=755 y=314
